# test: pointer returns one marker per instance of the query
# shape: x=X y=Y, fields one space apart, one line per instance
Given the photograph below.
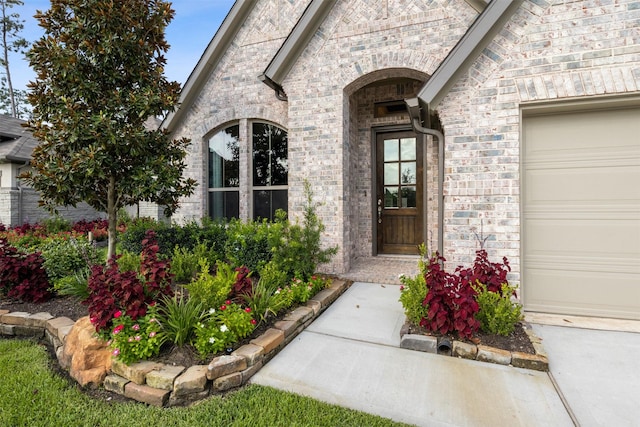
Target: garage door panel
x=584 y=238
x=593 y=131
x=583 y=184
x=574 y=292
x=581 y=213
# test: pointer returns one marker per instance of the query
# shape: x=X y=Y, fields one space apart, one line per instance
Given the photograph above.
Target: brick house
x=19 y=203
x=438 y=121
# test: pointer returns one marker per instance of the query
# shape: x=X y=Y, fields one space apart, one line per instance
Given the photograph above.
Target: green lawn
x=32 y=395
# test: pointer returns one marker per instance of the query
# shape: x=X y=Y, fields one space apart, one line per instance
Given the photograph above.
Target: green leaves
x=99 y=77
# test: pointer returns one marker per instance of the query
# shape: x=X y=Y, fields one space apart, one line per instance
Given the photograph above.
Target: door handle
x=379 y=210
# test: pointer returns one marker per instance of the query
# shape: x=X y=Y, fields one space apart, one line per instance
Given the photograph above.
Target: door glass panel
x=391 y=150
x=408 y=198
x=408 y=173
x=391 y=197
x=391 y=175
x=408 y=149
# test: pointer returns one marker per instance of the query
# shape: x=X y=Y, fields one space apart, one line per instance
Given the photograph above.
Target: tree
x=99 y=77
x=19 y=98
x=10 y=26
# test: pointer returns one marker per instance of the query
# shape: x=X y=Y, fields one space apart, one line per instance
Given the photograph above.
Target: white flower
x=212 y=310
x=224 y=328
x=212 y=340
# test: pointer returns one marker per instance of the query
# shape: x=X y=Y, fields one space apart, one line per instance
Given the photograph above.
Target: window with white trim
x=270 y=170
x=224 y=174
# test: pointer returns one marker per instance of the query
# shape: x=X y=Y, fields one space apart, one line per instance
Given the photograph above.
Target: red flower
x=248 y=309
x=228 y=302
x=117 y=314
x=223 y=307
x=253 y=321
x=118 y=328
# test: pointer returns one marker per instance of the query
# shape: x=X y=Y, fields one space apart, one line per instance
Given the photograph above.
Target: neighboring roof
x=16 y=141
x=296 y=41
x=210 y=58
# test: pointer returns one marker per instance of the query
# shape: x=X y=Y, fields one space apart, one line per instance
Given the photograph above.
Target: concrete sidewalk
x=350 y=356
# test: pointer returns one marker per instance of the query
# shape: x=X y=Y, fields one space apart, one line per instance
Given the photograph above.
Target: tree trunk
x=112 y=217
x=5 y=59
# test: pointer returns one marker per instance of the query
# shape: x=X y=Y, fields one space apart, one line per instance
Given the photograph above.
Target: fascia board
x=297 y=40
x=210 y=58
x=477 y=37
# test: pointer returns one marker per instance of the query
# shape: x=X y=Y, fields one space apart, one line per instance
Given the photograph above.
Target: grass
x=33 y=395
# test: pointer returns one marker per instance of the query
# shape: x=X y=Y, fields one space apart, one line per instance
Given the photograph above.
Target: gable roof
x=493 y=14
x=210 y=58
x=16 y=141
x=294 y=44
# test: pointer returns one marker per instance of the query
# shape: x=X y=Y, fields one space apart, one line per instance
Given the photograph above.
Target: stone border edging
x=159 y=384
x=430 y=344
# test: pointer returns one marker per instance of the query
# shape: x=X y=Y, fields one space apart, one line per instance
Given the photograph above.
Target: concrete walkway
x=350 y=356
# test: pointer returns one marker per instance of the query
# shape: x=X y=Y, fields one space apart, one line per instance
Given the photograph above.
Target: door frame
x=375 y=131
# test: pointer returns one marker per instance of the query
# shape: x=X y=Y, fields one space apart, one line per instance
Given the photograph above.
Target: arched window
x=270 y=170
x=224 y=174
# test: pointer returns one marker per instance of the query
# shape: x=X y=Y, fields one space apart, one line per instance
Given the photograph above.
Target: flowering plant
x=223 y=327
x=133 y=340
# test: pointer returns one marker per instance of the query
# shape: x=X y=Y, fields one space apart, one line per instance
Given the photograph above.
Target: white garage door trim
x=580 y=207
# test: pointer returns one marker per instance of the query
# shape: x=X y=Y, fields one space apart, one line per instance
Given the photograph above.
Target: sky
x=194 y=25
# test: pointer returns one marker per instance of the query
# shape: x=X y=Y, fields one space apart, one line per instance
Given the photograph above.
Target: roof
x=493 y=14
x=16 y=141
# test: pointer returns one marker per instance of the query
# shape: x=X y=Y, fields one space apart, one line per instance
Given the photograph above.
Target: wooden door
x=399 y=192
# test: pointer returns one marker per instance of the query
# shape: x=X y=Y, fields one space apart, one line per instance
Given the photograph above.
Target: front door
x=399 y=189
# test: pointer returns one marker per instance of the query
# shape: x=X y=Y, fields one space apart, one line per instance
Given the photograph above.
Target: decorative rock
x=425 y=343
x=316 y=306
x=269 y=340
x=15 y=318
x=115 y=383
x=136 y=372
x=28 y=331
x=228 y=382
x=404 y=330
x=493 y=355
x=300 y=315
x=59 y=327
x=193 y=380
x=464 y=350
x=38 y=320
x=164 y=377
x=88 y=357
x=289 y=327
x=339 y=285
x=248 y=373
x=7 y=329
x=225 y=365
x=146 y=394
x=187 y=398
x=3 y=312
x=325 y=297
x=251 y=352
x=530 y=361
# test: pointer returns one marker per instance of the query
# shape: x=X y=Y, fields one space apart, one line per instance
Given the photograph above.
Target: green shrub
x=497 y=313
x=266 y=301
x=74 y=285
x=179 y=316
x=184 y=263
x=223 y=328
x=211 y=290
x=213 y=234
x=296 y=247
x=248 y=244
x=129 y=261
x=56 y=224
x=66 y=256
x=414 y=290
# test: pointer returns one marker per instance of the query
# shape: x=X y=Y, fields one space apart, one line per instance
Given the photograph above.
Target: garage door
x=581 y=212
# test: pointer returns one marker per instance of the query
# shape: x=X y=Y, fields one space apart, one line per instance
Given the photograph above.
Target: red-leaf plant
x=491 y=274
x=452 y=306
x=243 y=284
x=22 y=276
x=111 y=290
